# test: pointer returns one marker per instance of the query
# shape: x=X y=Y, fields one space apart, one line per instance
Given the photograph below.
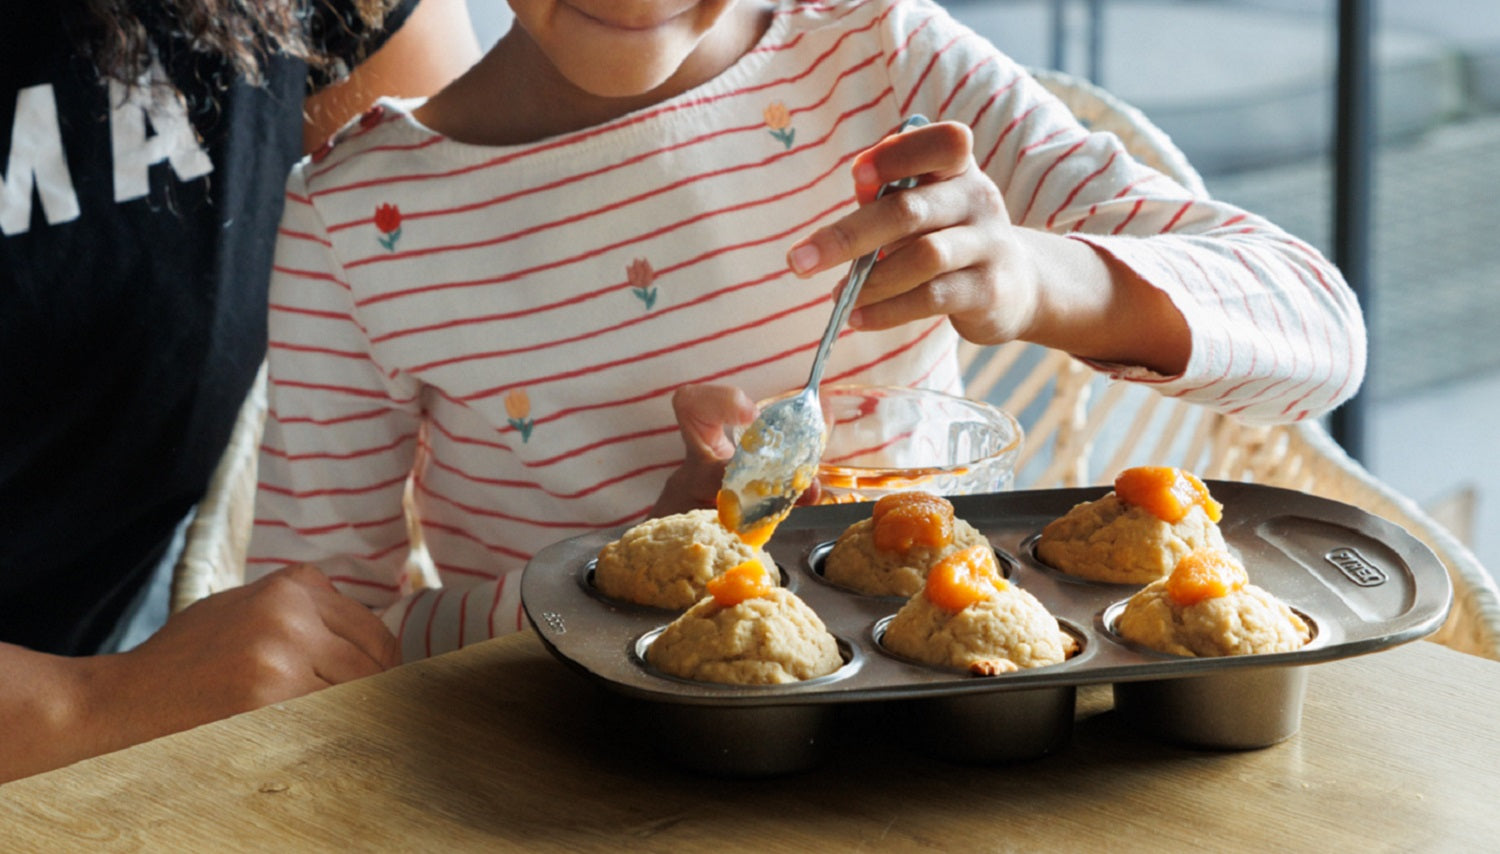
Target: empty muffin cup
x=1238 y=709
x=739 y=740
x=993 y=727
x=990 y=727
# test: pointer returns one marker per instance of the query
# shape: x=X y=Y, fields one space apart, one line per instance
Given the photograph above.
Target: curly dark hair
x=240 y=32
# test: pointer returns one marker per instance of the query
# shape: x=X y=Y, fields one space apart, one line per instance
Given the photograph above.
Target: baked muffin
x=666 y=562
x=747 y=631
x=1208 y=607
x=967 y=616
x=889 y=553
x=1154 y=517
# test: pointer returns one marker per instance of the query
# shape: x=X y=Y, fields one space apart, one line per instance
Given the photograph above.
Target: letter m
x=37 y=164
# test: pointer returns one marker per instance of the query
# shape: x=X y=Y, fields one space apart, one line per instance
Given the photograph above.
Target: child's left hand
x=703 y=412
x=950 y=248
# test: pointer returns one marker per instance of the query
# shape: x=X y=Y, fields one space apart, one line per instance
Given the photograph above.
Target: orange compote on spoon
x=906 y=519
x=967 y=576
x=1166 y=492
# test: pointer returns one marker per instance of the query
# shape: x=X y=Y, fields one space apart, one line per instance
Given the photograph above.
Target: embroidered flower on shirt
x=388 y=220
x=371 y=117
x=518 y=408
x=641 y=278
x=779 y=120
x=323 y=150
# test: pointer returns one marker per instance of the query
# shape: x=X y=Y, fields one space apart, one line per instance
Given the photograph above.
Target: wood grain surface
x=499 y=746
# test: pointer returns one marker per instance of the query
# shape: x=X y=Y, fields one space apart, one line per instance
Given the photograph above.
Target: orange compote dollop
x=906 y=519
x=1166 y=492
x=1205 y=574
x=967 y=576
x=748 y=580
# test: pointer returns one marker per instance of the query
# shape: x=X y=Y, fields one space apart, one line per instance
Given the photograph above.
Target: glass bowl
x=884 y=439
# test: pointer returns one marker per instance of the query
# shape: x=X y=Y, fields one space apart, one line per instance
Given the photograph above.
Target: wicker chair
x=214 y=557
x=1082 y=429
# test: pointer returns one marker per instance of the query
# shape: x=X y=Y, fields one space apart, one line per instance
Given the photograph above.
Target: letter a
x=174 y=139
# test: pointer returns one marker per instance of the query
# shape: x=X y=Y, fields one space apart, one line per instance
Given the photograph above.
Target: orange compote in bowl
x=887 y=439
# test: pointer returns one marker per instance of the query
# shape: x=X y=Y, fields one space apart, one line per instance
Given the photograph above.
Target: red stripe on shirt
x=1036 y=190
x=351 y=581
x=837 y=164
x=333 y=490
x=1000 y=140
x=455 y=531
x=310 y=275
x=547 y=524
x=508 y=483
x=639 y=357
x=1073 y=194
x=348 y=455
x=922 y=78
x=1134 y=209
x=612 y=288
x=319 y=530
x=499 y=589
x=327 y=422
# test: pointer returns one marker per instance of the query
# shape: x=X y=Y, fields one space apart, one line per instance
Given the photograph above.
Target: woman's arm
x=435 y=45
x=283 y=636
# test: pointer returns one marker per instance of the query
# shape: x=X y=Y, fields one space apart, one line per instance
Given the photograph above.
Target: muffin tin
x=1362 y=583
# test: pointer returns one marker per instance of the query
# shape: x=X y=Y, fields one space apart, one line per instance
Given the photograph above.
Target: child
x=497 y=292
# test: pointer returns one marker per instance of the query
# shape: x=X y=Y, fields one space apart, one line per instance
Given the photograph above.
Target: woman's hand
x=282 y=636
x=279 y=637
x=703 y=412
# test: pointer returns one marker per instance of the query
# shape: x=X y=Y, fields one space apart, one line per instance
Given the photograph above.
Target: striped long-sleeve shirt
x=504 y=326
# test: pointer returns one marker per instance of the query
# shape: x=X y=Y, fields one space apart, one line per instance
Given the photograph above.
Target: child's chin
x=633 y=84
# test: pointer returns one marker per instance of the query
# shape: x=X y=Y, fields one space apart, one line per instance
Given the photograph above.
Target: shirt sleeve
x=1277 y=334
x=342 y=439
x=341 y=432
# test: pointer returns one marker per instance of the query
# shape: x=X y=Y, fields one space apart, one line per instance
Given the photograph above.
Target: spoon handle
x=857 y=273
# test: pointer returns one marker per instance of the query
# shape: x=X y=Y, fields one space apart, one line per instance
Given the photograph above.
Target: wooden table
x=501 y=746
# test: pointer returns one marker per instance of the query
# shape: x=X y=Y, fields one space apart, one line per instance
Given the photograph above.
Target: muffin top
x=1135 y=534
x=747 y=631
x=967 y=616
x=1208 y=607
x=889 y=553
x=666 y=562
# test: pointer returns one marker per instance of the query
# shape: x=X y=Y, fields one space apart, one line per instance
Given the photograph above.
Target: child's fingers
x=933 y=152
x=912 y=263
x=937 y=153
x=948 y=294
x=703 y=411
x=887 y=222
x=985 y=290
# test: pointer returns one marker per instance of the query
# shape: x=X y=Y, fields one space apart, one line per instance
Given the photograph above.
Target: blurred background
x=1248 y=90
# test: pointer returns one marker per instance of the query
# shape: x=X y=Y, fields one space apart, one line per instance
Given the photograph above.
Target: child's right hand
x=949 y=246
x=950 y=249
x=703 y=414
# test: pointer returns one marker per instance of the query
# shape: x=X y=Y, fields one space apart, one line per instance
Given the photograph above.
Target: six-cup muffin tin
x=1362 y=583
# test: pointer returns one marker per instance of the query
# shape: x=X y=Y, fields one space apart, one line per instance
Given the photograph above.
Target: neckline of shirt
x=643 y=126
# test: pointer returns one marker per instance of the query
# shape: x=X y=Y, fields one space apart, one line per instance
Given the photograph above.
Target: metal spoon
x=777 y=456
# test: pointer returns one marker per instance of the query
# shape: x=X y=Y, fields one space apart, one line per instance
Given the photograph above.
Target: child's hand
x=703 y=413
x=949 y=245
